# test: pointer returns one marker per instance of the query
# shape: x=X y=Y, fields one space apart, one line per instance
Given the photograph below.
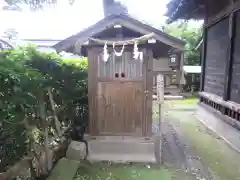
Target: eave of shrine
x=119 y=27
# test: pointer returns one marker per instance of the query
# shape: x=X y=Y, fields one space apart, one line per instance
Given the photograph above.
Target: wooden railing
x=227 y=108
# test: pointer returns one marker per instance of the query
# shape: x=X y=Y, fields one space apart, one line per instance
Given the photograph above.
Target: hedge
x=39 y=92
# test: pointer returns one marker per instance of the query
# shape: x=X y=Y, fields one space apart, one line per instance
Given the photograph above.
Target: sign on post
x=160 y=89
x=160 y=101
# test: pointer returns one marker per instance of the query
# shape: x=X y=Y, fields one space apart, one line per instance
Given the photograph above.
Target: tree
x=188 y=33
x=15 y=5
x=34 y=4
x=5 y=45
x=114 y=7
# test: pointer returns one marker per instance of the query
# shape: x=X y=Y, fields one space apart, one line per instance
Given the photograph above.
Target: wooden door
x=120 y=108
x=120 y=95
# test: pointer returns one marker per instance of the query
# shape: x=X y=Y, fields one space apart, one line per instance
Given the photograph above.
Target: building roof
x=192 y=69
x=185 y=9
x=194 y=9
x=120 y=19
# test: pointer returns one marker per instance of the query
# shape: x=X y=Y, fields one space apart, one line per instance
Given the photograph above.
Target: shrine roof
x=125 y=21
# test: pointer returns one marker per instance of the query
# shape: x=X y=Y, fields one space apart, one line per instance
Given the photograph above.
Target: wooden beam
x=228 y=68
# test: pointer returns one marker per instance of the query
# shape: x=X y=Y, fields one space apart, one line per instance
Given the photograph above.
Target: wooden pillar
x=181 y=80
x=228 y=67
x=203 y=58
x=204 y=48
x=148 y=87
x=92 y=90
x=150 y=93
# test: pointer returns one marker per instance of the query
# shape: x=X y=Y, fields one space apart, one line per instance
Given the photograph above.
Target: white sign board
x=160 y=88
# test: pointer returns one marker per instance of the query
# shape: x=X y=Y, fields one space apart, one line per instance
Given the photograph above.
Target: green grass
x=191 y=100
x=104 y=171
x=214 y=152
x=187 y=103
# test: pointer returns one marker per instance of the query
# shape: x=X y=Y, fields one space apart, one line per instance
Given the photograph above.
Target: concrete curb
x=222 y=137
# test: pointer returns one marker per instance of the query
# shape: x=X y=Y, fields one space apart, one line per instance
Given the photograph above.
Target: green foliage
x=15 y=5
x=191 y=35
x=26 y=75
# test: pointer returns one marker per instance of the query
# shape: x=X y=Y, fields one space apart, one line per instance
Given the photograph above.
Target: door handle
x=146 y=92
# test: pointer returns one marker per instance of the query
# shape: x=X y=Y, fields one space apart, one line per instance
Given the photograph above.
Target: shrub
x=28 y=80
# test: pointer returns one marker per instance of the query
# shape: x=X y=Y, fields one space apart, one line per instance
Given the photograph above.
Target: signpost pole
x=160 y=101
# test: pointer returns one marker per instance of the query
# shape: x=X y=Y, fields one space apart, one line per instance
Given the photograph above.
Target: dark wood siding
x=216 y=57
x=235 y=83
x=217 y=10
x=123 y=67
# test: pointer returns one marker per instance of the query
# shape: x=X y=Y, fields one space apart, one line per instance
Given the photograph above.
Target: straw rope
x=125 y=42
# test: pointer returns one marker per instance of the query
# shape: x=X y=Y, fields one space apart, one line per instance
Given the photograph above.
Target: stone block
x=122 y=151
x=76 y=151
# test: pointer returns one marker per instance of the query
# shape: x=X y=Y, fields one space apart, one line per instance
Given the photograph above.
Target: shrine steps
x=122 y=151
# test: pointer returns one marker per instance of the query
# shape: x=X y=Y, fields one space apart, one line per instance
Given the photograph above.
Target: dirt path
x=191 y=146
x=176 y=148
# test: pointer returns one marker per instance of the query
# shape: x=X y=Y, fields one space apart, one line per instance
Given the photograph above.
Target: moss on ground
x=64 y=170
x=104 y=171
x=214 y=152
x=188 y=103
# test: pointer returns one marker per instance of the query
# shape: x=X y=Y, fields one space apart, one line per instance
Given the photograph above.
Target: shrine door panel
x=120 y=108
x=121 y=95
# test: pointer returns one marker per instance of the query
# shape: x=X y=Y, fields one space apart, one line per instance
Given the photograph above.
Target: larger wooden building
x=220 y=79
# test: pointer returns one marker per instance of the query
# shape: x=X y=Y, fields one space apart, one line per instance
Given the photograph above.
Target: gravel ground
x=175 y=147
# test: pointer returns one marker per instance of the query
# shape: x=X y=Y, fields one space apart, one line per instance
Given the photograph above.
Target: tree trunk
x=46 y=139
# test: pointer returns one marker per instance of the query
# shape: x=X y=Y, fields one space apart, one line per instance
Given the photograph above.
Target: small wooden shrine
x=121 y=52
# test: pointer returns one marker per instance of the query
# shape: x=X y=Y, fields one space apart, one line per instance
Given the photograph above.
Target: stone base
x=122 y=150
x=76 y=151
